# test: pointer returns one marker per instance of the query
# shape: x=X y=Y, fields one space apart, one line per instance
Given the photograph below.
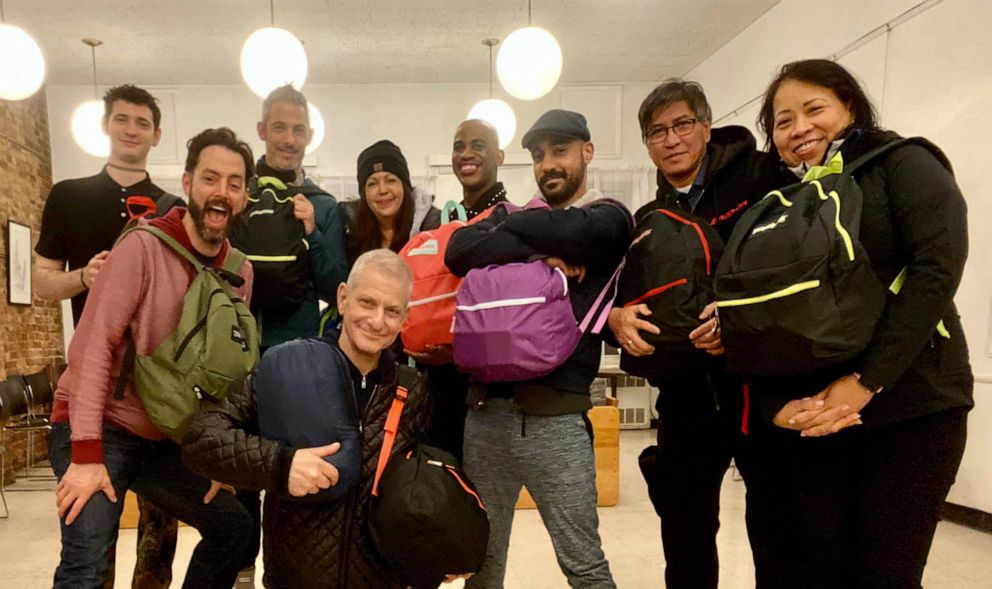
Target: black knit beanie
x=382 y=156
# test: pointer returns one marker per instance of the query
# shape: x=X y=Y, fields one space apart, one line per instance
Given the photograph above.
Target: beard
x=569 y=187
x=198 y=214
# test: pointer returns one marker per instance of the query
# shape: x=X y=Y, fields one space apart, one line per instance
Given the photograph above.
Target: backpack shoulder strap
x=234 y=261
x=406 y=377
x=166 y=202
x=169 y=241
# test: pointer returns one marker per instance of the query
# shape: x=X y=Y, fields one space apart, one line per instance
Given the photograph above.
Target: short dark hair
x=285 y=93
x=134 y=95
x=826 y=74
x=668 y=93
x=223 y=137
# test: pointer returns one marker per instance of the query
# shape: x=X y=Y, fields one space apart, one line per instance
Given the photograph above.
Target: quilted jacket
x=306 y=544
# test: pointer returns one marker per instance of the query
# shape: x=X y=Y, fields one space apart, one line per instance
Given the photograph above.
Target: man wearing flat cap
x=535 y=433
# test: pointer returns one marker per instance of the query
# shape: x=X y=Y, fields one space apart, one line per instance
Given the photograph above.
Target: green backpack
x=212 y=351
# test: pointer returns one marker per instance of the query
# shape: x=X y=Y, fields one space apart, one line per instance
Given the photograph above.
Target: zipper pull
x=363 y=382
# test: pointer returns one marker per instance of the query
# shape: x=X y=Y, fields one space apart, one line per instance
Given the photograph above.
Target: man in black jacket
x=714 y=174
x=314 y=544
x=535 y=432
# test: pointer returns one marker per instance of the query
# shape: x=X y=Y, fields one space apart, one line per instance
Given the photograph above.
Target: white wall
x=930 y=76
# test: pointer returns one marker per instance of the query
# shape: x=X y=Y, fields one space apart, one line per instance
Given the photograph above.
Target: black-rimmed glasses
x=658 y=133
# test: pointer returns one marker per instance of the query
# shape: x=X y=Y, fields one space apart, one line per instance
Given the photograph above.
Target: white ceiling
x=166 y=42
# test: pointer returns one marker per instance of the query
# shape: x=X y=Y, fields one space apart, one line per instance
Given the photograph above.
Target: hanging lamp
x=22 y=69
x=87 y=119
x=273 y=57
x=493 y=110
x=529 y=62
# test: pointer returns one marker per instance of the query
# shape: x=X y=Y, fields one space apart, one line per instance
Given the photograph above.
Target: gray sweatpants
x=552 y=457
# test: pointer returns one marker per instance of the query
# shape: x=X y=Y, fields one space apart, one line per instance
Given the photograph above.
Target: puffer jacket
x=305 y=543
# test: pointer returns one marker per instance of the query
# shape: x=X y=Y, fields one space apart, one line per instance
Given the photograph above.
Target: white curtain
x=633 y=186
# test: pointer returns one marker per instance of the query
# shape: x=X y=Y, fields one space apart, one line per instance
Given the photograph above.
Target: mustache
x=552 y=175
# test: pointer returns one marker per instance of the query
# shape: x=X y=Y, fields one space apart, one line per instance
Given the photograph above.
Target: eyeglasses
x=682 y=128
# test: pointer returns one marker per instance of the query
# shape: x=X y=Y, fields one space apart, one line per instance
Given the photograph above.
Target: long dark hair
x=824 y=73
x=368 y=236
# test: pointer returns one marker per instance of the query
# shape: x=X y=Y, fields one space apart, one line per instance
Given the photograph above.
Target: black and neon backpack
x=669 y=268
x=274 y=240
x=795 y=288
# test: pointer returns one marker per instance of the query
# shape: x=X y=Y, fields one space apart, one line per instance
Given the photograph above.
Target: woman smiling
x=389 y=209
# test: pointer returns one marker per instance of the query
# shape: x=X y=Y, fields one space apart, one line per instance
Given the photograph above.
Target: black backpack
x=275 y=242
x=795 y=289
x=426 y=519
x=669 y=268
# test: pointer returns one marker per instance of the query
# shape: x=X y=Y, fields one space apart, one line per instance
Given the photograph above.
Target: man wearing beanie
x=535 y=433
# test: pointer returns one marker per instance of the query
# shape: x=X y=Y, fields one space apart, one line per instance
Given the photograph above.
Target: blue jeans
x=155 y=471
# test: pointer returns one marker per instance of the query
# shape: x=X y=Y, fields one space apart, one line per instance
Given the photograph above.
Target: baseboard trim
x=967 y=516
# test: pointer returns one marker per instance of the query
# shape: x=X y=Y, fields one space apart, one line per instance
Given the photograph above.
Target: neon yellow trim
x=306 y=243
x=790 y=290
x=272 y=181
x=834 y=166
x=272 y=258
x=896 y=286
x=848 y=243
x=330 y=314
x=261 y=212
x=781 y=197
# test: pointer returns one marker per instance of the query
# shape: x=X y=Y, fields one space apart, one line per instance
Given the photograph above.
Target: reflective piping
x=564 y=280
x=464 y=486
x=896 y=286
x=434 y=299
x=306 y=243
x=261 y=212
x=272 y=258
x=781 y=197
x=840 y=228
x=790 y=290
x=272 y=181
x=503 y=303
x=657 y=291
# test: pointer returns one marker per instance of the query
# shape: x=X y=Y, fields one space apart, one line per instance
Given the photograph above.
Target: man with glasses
x=714 y=174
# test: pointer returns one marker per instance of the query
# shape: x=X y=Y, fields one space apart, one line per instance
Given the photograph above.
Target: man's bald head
x=475 y=157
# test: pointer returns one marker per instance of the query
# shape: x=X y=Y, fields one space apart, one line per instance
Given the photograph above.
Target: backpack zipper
x=778 y=294
x=657 y=291
x=196 y=328
x=502 y=303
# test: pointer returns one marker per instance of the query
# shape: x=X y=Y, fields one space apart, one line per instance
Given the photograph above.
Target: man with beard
x=82 y=219
x=285 y=129
x=535 y=433
x=101 y=445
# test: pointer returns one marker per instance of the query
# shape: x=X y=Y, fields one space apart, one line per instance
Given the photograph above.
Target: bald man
x=475 y=159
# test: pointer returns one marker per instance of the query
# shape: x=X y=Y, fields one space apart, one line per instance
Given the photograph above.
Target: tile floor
x=961 y=558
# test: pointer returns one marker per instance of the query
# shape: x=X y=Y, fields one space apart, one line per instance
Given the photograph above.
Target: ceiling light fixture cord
x=1 y=11
x=93 y=50
x=272 y=13
x=490 y=71
x=529 y=21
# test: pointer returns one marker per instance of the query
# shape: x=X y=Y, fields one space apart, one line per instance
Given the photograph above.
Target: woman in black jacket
x=389 y=210
x=855 y=490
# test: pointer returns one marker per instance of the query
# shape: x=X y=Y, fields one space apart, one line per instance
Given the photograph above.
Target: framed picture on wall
x=18 y=263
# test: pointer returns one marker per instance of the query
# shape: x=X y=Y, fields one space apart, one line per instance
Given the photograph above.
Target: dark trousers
x=854 y=510
x=699 y=432
x=153 y=470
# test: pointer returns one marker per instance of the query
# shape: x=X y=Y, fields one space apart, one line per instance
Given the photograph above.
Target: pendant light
x=87 y=119
x=273 y=57
x=22 y=70
x=495 y=111
x=529 y=63
x=317 y=126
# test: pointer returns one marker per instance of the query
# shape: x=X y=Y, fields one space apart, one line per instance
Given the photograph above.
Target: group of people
x=846 y=468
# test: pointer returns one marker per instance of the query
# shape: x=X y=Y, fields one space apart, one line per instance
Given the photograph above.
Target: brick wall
x=30 y=337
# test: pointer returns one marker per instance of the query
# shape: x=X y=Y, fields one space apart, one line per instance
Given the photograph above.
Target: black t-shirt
x=83 y=217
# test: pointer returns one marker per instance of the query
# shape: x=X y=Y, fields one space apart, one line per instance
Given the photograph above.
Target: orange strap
x=392 y=426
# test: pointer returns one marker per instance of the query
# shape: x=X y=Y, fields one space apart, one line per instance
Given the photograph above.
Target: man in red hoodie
x=101 y=446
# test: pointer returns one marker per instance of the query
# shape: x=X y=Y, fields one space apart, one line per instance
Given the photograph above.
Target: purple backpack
x=515 y=322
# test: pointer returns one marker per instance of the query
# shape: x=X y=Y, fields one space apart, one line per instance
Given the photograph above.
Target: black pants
x=699 y=432
x=854 y=510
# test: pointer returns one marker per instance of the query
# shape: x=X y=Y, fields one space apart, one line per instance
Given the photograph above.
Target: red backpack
x=432 y=303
